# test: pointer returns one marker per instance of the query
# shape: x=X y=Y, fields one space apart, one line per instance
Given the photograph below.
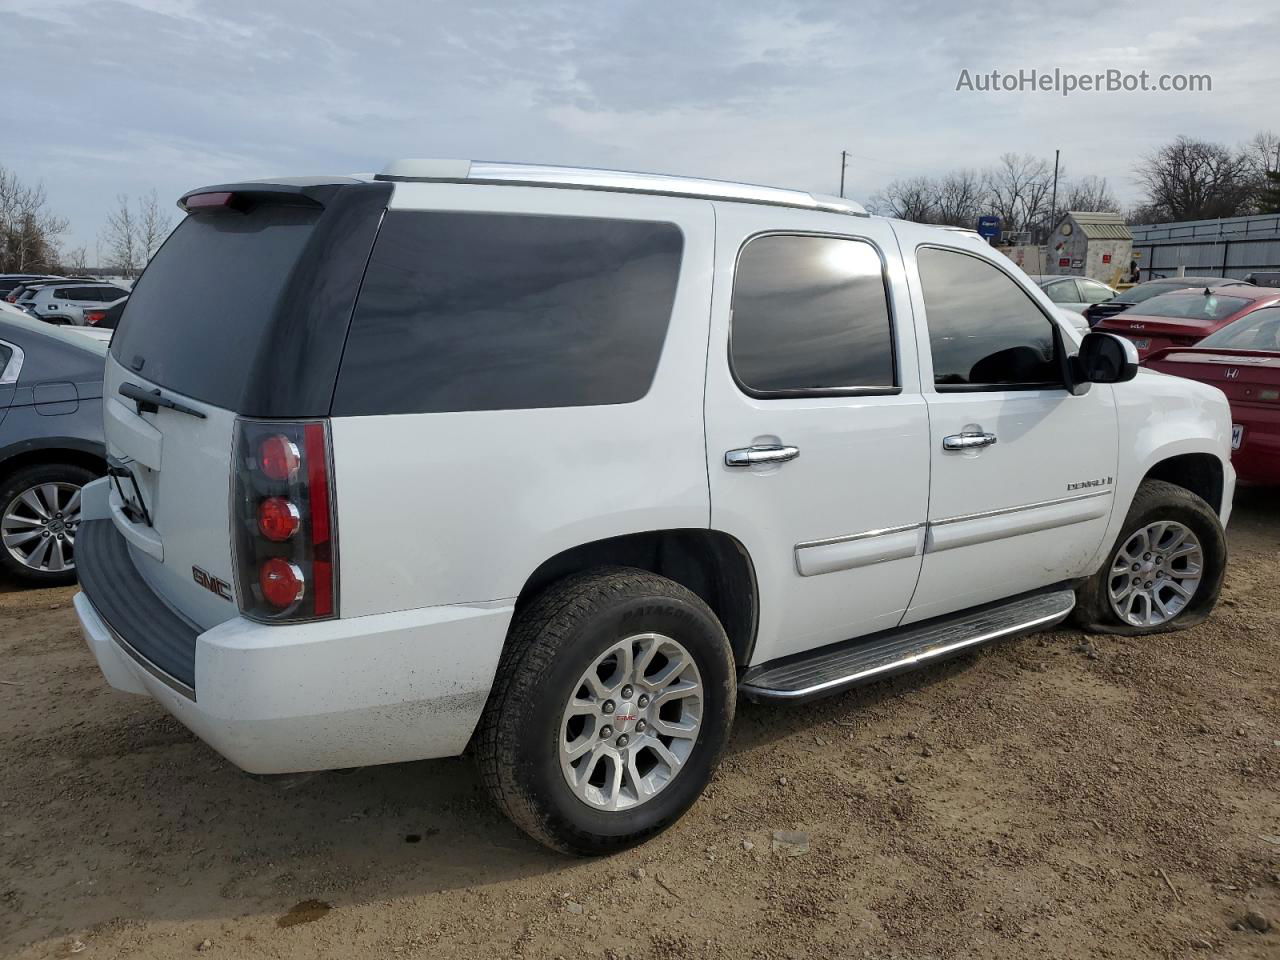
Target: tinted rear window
x=1190 y=306
x=199 y=312
x=480 y=311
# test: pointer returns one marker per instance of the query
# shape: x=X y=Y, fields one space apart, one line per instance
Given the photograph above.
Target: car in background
x=1076 y=319
x=28 y=288
x=1185 y=317
x=51 y=445
x=100 y=324
x=66 y=303
x=1074 y=293
x=1154 y=288
x=1243 y=361
x=1265 y=278
x=10 y=280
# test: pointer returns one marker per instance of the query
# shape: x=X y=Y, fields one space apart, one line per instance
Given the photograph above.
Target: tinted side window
x=5 y=354
x=489 y=311
x=984 y=330
x=810 y=314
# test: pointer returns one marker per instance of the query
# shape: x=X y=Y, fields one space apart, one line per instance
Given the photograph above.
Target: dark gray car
x=50 y=445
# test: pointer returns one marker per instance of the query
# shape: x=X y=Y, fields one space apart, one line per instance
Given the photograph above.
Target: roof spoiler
x=242 y=197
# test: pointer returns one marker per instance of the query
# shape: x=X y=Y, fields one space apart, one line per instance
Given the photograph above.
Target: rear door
x=1021 y=470
x=221 y=323
x=817 y=435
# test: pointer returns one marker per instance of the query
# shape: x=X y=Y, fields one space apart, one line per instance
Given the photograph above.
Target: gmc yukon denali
x=553 y=465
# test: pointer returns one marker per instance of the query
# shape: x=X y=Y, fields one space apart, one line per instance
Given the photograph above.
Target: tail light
x=285 y=535
x=94 y=317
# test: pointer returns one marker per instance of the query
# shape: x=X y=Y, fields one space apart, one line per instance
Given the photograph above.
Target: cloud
x=174 y=93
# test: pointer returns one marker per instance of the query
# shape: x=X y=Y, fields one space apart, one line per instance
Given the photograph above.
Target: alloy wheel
x=631 y=722
x=1155 y=573
x=39 y=526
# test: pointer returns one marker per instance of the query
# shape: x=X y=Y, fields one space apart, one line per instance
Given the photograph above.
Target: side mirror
x=1105 y=358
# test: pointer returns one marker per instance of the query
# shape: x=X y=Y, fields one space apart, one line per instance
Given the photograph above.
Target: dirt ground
x=1041 y=798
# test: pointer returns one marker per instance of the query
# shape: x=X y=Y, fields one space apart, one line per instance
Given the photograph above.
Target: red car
x=1185 y=317
x=1243 y=361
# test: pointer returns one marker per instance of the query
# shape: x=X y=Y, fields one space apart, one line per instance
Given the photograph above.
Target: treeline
x=31 y=234
x=1186 y=179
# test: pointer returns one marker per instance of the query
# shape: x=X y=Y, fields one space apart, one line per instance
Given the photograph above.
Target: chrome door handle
x=761 y=453
x=968 y=441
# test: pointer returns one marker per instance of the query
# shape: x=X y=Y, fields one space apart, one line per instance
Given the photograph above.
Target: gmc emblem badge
x=211 y=583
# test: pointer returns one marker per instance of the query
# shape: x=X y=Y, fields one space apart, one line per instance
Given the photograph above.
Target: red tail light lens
x=278 y=519
x=281 y=582
x=285 y=537
x=278 y=457
x=94 y=317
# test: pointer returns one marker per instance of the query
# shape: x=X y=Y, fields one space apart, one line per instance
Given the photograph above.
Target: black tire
x=1157 y=500
x=12 y=487
x=551 y=643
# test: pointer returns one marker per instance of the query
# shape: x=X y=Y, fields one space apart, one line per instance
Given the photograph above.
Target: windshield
x=1192 y=306
x=1260 y=330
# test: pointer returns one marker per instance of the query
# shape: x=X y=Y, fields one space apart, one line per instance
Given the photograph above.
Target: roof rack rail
x=583 y=178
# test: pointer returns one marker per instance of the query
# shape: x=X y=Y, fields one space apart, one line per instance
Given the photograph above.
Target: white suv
x=559 y=463
x=66 y=302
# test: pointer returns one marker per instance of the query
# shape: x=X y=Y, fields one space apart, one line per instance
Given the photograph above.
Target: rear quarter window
x=494 y=311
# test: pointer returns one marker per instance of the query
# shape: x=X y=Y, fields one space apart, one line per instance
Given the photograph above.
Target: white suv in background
x=558 y=463
x=66 y=303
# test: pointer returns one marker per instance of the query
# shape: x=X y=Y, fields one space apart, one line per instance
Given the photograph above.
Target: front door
x=1022 y=471
x=817 y=435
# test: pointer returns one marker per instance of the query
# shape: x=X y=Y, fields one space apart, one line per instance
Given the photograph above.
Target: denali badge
x=211 y=583
x=1106 y=482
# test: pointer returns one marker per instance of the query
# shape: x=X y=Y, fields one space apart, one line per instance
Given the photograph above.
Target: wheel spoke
x=664 y=753
x=56 y=561
x=72 y=509
x=15 y=519
x=33 y=502
x=16 y=539
x=37 y=556
x=680 y=691
x=680 y=730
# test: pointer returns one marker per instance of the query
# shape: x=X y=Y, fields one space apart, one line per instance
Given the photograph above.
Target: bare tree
x=1090 y=193
x=911 y=199
x=153 y=223
x=959 y=198
x=1019 y=189
x=120 y=236
x=29 y=231
x=1197 y=180
x=74 y=261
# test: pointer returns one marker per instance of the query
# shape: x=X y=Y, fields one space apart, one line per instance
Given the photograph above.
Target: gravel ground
x=1054 y=796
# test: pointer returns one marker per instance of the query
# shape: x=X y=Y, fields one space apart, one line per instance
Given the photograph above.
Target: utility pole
x=1053 y=204
x=844 y=162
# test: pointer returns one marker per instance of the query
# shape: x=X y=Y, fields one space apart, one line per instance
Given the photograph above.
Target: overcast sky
x=119 y=96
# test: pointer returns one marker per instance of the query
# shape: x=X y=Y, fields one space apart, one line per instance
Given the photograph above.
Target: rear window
x=1184 y=306
x=490 y=311
x=1259 y=330
x=199 y=312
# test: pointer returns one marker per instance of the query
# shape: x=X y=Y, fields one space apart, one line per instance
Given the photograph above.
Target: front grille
x=129 y=606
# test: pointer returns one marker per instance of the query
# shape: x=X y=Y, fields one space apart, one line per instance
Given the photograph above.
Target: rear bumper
x=317 y=696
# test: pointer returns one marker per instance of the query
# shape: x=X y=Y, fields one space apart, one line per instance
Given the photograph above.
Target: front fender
x=1160 y=417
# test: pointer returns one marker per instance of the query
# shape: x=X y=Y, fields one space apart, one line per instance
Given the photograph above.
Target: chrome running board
x=831 y=669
